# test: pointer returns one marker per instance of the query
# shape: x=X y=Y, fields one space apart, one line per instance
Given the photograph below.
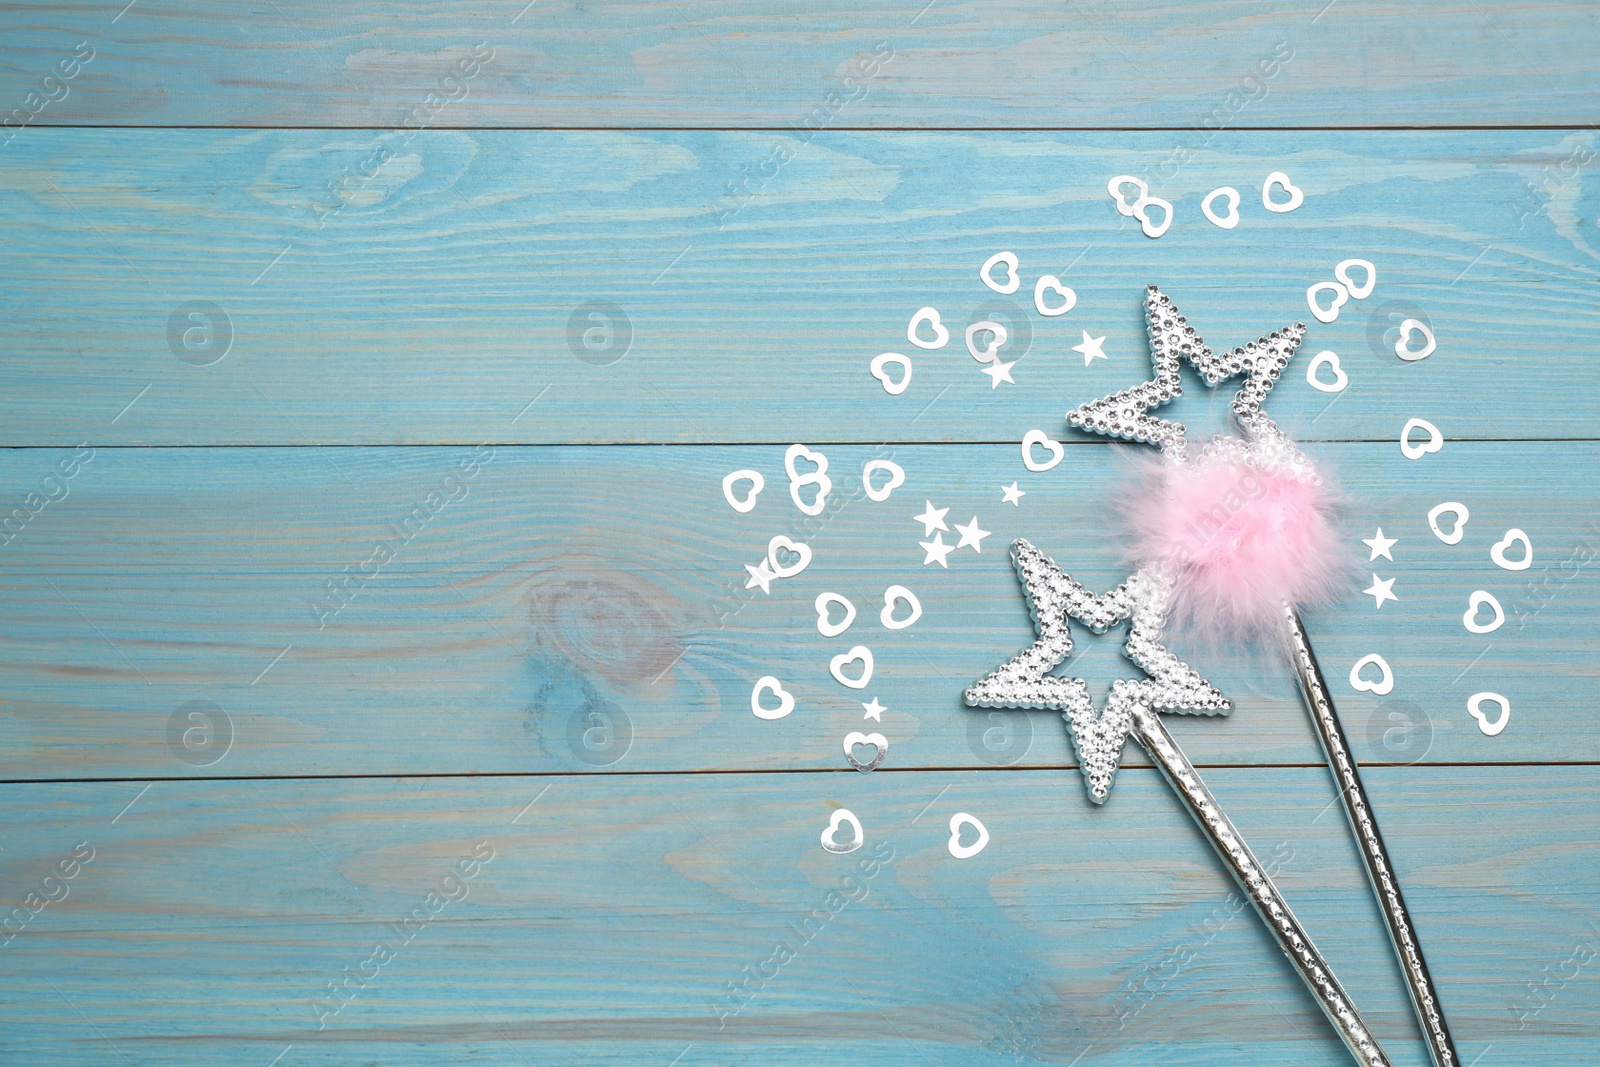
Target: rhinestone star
x=1126 y=413
x=1025 y=681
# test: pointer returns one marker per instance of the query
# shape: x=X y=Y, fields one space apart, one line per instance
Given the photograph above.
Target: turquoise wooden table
x=378 y=649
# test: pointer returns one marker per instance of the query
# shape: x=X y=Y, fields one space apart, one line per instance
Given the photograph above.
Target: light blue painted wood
x=440 y=309
x=1024 y=63
x=573 y=587
x=562 y=584
x=614 y=910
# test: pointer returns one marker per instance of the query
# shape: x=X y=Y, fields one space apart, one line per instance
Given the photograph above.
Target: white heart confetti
x=757 y=483
x=1050 y=283
x=1459 y=530
x=1497 y=551
x=1478 y=599
x=1012 y=282
x=1342 y=272
x=1038 y=438
x=799 y=548
x=1383 y=686
x=859 y=654
x=896 y=594
x=1281 y=180
x=1341 y=297
x=825 y=626
x=893 y=388
x=897 y=478
x=1327 y=359
x=941 y=336
x=998 y=336
x=1402 y=346
x=1231 y=219
x=957 y=849
x=1434 y=442
x=1475 y=709
x=767 y=683
x=876 y=740
x=840 y=816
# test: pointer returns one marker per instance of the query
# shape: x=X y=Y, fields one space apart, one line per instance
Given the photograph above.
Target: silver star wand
x=1245 y=528
x=1238 y=537
x=1024 y=681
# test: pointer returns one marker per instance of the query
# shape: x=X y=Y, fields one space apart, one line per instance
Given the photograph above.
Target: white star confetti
x=1090 y=348
x=937 y=551
x=1381 y=590
x=971 y=535
x=932 y=519
x=761 y=574
x=1380 y=545
x=999 y=372
x=875 y=710
x=1012 y=495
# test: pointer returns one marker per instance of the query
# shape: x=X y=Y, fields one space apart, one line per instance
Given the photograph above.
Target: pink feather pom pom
x=1241 y=541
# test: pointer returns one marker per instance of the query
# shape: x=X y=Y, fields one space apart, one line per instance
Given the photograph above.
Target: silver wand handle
x=1269 y=903
x=1347 y=776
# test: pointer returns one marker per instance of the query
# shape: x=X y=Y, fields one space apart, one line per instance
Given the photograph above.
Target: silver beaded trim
x=1126 y=414
x=1024 y=680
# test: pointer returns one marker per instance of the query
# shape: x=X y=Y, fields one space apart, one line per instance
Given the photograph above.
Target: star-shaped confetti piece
x=1012 y=495
x=1380 y=545
x=937 y=551
x=971 y=535
x=932 y=518
x=874 y=710
x=1025 y=681
x=1090 y=348
x=999 y=372
x=761 y=574
x=1381 y=590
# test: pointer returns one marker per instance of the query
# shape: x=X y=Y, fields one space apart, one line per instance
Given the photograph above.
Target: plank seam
x=1051 y=768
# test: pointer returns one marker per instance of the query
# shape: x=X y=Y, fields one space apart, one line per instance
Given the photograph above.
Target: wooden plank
x=1028 y=64
x=446 y=298
x=546 y=595
x=610 y=914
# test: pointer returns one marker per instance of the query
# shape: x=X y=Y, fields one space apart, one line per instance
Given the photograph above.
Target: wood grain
x=614 y=911
x=440 y=302
x=262 y=700
x=554 y=585
x=1023 y=63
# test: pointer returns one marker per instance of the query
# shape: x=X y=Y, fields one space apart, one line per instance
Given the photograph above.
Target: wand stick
x=1026 y=681
x=1247 y=529
x=1247 y=871
x=1374 y=857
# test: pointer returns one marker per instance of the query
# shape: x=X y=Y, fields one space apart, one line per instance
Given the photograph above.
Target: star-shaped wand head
x=1025 y=681
x=1126 y=414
